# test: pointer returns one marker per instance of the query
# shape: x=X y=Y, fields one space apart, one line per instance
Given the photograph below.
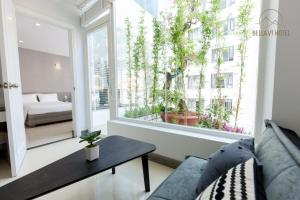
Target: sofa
x=277 y=150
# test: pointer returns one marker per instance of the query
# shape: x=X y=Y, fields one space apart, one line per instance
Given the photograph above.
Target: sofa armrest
x=182 y=183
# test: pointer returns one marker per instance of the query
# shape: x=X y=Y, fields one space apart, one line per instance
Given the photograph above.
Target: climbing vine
x=129 y=60
x=244 y=20
x=157 y=48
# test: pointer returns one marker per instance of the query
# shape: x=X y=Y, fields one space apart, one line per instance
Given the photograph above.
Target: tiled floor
x=126 y=184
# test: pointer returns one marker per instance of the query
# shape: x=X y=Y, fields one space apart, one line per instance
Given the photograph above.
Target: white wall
x=169 y=143
x=286 y=104
x=64 y=12
x=39 y=75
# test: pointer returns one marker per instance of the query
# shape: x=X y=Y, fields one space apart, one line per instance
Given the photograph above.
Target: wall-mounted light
x=37 y=24
x=21 y=41
x=57 y=66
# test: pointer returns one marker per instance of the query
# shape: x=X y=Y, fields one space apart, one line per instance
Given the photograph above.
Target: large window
x=178 y=64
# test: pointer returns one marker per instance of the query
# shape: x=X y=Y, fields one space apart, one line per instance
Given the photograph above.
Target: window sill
x=200 y=133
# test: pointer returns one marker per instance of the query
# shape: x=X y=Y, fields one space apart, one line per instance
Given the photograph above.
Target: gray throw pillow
x=224 y=159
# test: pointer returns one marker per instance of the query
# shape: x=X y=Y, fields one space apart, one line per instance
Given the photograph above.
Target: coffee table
x=114 y=151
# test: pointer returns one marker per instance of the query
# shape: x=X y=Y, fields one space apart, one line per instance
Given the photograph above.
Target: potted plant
x=181 y=47
x=92 y=149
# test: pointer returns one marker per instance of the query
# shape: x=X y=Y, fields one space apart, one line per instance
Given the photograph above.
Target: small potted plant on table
x=92 y=149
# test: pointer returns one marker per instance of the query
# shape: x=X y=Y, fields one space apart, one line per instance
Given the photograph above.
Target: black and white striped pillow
x=236 y=184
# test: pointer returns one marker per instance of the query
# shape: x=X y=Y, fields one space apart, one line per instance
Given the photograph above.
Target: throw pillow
x=237 y=183
x=224 y=159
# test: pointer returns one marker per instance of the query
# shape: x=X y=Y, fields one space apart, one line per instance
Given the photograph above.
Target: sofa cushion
x=182 y=183
x=222 y=160
x=293 y=137
x=281 y=164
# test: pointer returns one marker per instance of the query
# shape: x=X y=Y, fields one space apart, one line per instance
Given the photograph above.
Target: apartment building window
x=158 y=65
x=229 y=26
x=227 y=104
x=227 y=3
x=193 y=82
x=193 y=104
x=226 y=80
x=228 y=54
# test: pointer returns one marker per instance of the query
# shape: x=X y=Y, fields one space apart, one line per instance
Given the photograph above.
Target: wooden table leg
x=113 y=170
x=146 y=173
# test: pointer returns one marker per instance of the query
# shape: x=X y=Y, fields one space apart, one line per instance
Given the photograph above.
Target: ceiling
x=83 y=4
x=44 y=38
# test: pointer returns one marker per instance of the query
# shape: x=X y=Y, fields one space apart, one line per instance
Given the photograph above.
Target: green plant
x=139 y=59
x=218 y=105
x=91 y=138
x=206 y=21
x=129 y=61
x=138 y=112
x=136 y=69
x=142 y=45
x=181 y=46
x=244 y=33
x=218 y=115
x=157 y=47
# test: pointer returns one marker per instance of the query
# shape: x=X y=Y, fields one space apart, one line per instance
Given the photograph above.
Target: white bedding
x=46 y=107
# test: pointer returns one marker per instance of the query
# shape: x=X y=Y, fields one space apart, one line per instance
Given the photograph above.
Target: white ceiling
x=83 y=4
x=45 y=38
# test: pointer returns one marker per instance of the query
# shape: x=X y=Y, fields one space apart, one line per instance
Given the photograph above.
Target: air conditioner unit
x=92 y=14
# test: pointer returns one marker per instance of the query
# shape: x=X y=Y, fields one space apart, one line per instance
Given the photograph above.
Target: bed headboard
x=62 y=96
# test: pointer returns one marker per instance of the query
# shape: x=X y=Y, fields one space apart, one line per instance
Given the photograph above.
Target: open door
x=11 y=82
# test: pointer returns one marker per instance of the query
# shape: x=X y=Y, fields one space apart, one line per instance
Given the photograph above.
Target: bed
x=45 y=110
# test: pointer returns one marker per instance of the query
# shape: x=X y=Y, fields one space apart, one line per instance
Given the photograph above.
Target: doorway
x=46 y=71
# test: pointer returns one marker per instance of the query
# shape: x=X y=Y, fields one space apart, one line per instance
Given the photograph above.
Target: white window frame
x=261 y=96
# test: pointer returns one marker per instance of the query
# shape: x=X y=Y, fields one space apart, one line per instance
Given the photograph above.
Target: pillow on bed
x=48 y=97
x=29 y=98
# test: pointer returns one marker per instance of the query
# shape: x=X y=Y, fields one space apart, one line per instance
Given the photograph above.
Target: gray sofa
x=281 y=168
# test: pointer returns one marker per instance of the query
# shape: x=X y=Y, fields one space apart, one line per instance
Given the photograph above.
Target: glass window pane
x=98 y=77
x=160 y=69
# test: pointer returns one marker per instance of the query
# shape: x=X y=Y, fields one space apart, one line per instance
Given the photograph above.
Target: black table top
x=114 y=150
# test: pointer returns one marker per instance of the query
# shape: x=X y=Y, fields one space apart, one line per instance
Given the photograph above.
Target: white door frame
x=12 y=95
x=104 y=21
x=72 y=50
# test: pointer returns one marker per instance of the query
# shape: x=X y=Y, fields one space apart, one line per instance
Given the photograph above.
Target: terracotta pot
x=190 y=118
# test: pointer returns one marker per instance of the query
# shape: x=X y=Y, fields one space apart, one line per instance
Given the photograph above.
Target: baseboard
x=169 y=162
x=29 y=148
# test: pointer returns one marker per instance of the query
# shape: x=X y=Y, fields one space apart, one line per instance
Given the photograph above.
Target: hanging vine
x=206 y=21
x=157 y=47
x=244 y=20
x=218 y=105
x=142 y=45
x=129 y=61
x=136 y=69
